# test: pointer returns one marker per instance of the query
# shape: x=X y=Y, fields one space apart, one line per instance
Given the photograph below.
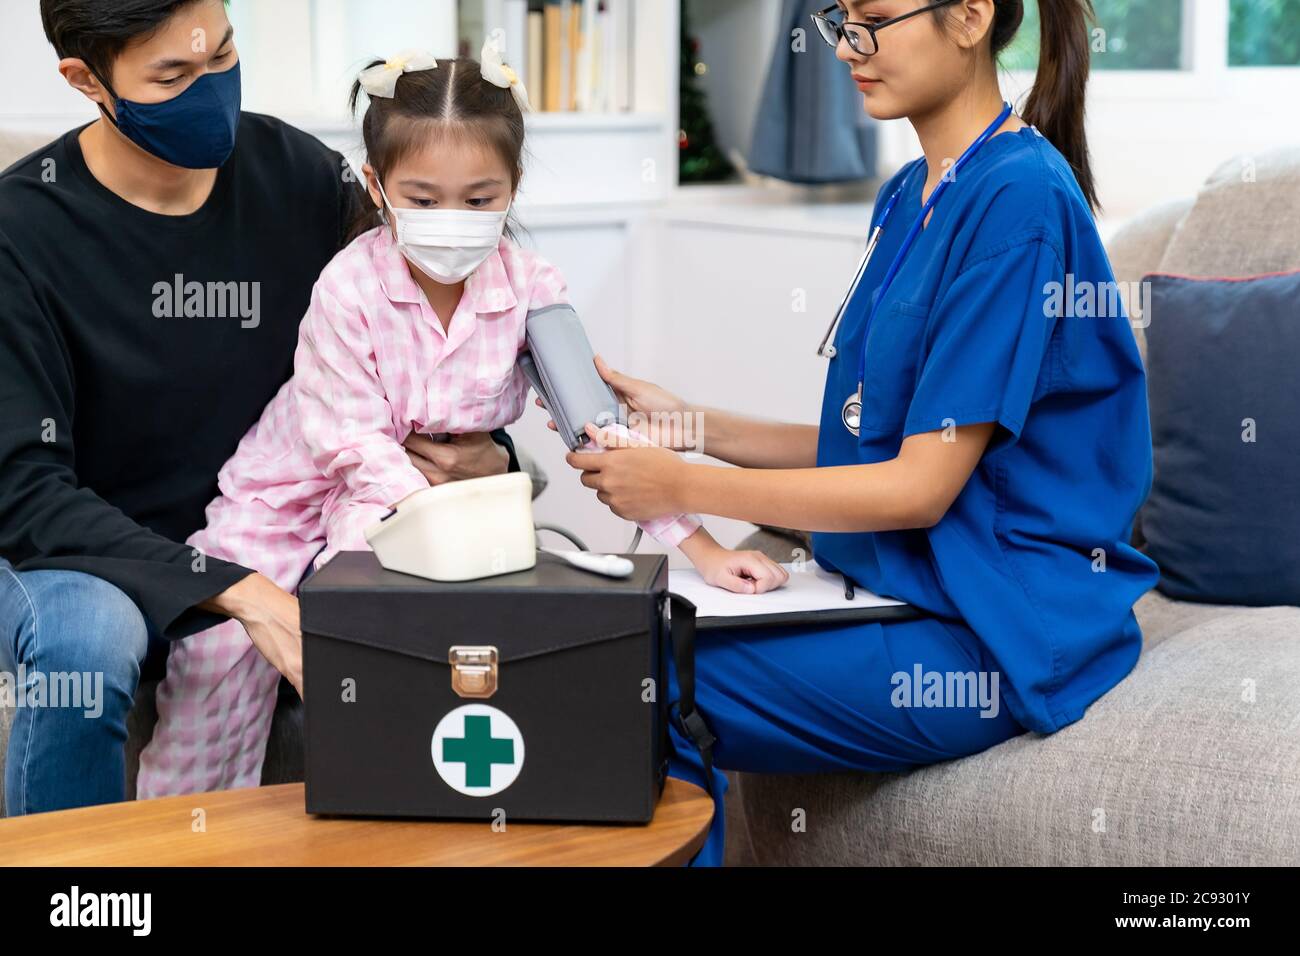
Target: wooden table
x=267 y=826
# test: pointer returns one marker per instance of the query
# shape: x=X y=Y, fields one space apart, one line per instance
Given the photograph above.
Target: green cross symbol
x=478 y=750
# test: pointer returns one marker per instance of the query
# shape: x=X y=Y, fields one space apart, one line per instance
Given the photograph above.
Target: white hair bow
x=496 y=72
x=381 y=80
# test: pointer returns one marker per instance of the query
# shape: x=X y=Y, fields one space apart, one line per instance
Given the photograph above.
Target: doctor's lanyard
x=851 y=413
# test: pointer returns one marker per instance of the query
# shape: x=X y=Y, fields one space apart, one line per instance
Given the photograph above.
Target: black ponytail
x=1056 y=102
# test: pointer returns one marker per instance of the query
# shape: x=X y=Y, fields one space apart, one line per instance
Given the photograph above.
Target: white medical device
x=460 y=530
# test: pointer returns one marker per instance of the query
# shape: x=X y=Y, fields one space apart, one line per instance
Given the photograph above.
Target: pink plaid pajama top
x=374 y=364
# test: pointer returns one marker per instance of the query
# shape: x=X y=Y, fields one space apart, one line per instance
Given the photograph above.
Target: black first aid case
x=537 y=695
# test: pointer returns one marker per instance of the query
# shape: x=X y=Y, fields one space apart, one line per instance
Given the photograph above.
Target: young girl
x=414 y=327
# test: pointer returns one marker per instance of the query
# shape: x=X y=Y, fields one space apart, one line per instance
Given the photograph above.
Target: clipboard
x=813 y=596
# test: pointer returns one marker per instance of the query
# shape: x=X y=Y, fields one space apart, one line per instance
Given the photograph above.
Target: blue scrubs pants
x=809 y=700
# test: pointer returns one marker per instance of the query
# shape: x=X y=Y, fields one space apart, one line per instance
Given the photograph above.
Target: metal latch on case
x=473 y=670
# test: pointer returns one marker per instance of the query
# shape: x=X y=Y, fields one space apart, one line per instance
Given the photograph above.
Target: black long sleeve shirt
x=136 y=349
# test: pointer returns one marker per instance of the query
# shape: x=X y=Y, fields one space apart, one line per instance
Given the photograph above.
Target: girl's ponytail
x=1056 y=103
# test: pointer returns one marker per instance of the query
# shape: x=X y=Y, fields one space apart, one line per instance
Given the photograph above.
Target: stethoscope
x=851 y=412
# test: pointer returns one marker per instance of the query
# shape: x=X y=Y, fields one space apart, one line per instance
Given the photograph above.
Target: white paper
x=811 y=589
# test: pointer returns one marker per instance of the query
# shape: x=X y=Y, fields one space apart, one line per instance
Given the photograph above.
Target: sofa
x=1176 y=765
x=1172 y=767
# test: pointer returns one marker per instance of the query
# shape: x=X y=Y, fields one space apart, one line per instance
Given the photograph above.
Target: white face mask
x=446 y=244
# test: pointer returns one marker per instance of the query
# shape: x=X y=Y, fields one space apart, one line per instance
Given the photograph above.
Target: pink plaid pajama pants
x=216 y=702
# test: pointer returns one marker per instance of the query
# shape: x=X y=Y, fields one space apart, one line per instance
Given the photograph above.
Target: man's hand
x=270 y=616
x=472 y=455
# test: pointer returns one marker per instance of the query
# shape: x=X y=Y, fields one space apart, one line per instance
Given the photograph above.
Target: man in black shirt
x=154 y=267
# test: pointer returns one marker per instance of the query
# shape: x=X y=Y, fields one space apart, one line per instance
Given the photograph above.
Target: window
x=1154 y=35
x=1128 y=35
x=1264 y=33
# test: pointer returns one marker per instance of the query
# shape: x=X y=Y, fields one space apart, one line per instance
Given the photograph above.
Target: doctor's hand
x=471 y=455
x=636 y=483
x=653 y=412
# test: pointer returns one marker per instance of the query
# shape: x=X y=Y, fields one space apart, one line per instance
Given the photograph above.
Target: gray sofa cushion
x=1191 y=760
x=1136 y=250
x=16 y=146
x=1246 y=220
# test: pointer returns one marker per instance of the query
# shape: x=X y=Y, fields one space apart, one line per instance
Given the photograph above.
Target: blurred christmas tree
x=701 y=159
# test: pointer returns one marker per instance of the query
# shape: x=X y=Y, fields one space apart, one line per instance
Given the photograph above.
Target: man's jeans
x=71 y=647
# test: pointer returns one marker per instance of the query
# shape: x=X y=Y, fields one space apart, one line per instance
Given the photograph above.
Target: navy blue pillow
x=1223 y=377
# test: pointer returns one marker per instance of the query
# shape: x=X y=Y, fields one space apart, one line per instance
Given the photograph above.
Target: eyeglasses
x=861 y=36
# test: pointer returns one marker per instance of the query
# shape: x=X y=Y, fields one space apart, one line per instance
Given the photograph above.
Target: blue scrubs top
x=988 y=320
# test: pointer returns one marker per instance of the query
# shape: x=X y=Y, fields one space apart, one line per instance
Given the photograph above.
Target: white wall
x=306 y=76
x=33 y=96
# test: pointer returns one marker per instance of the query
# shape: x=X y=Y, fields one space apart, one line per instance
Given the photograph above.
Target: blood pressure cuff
x=561 y=366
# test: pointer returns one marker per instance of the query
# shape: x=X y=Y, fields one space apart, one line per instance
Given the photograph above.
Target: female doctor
x=982 y=448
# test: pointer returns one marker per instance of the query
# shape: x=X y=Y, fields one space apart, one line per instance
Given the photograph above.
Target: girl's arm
x=344 y=417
